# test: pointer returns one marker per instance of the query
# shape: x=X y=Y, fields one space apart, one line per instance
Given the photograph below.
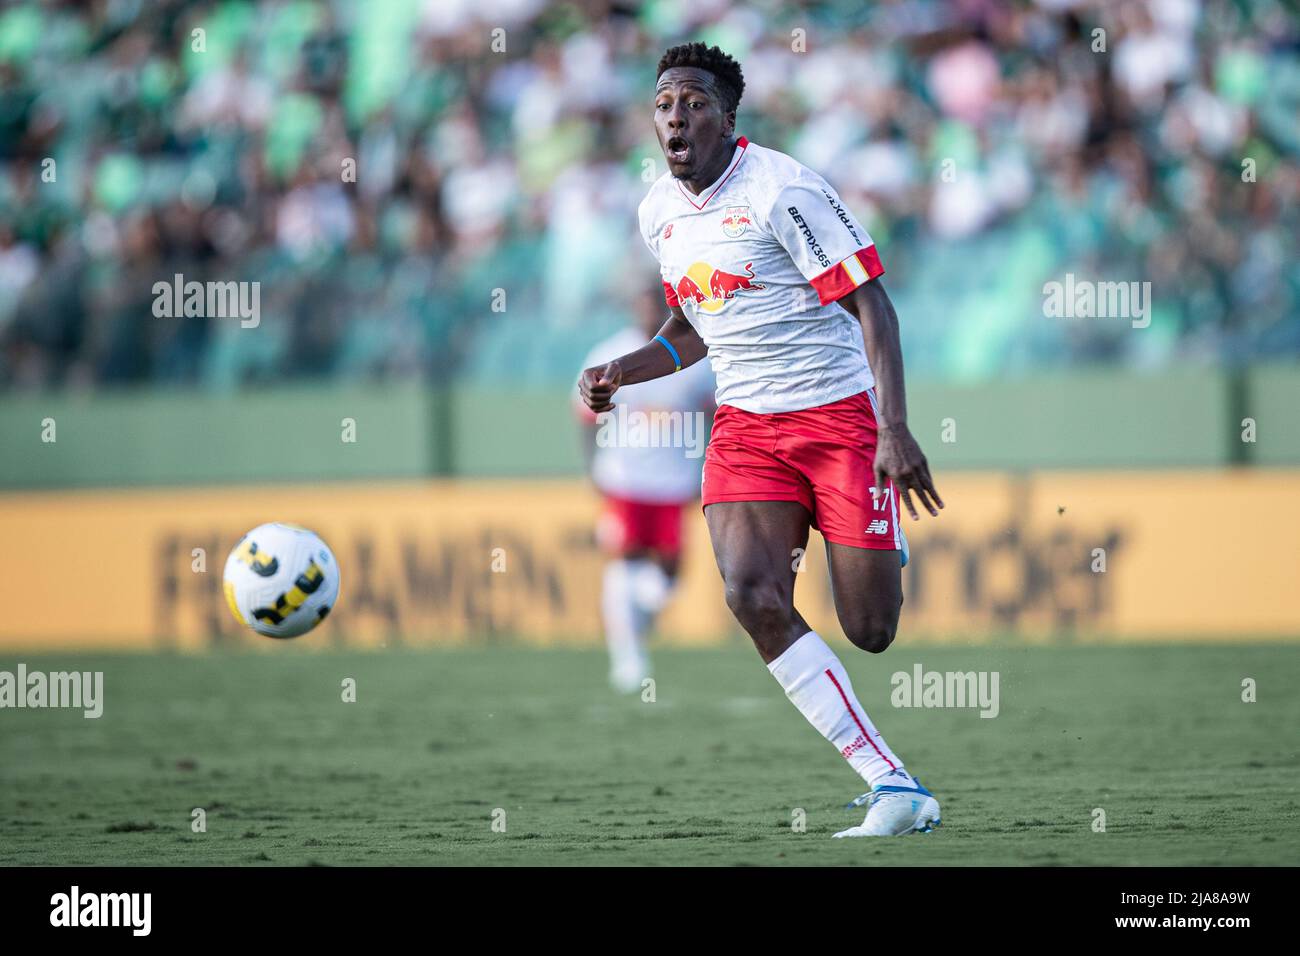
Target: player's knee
x=871 y=634
x=755 y=600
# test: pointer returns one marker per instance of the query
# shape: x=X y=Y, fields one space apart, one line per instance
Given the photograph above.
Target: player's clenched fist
x=599 y=384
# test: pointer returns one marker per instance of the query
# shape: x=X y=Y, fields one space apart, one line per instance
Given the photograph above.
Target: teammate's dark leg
x=755 y=545
x=868 y=589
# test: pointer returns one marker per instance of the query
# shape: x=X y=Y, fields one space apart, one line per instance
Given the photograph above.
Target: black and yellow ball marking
x=234 y=605
x=260 y=562
x=306 y=584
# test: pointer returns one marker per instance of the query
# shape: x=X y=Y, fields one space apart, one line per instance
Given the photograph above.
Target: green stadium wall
x=1081 y=420
x=1272 y=400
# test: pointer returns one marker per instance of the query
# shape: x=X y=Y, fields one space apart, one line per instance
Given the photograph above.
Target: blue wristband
x=677 y=359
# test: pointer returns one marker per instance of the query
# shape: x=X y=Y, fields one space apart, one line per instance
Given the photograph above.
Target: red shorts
x=628 y=526
x=820 y=457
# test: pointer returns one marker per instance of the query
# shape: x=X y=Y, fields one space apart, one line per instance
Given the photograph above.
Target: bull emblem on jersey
x=710 y=288
x=735 y=220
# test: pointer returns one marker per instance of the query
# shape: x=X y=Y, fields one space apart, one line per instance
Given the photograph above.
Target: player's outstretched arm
x=652 y=360
x=898 y=456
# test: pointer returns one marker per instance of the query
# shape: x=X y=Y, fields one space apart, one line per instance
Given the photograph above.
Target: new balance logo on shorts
x=879 y=526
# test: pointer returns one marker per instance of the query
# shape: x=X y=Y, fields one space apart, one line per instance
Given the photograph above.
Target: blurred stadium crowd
x=989 y=147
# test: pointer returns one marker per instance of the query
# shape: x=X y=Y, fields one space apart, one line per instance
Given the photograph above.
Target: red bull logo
x=710 y=288
x=736 y=220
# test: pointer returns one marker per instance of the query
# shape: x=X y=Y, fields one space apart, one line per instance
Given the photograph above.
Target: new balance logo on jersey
x=879 y=526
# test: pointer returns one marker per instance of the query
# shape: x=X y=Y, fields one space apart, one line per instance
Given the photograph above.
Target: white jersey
x=651 y=446
x=756 y=262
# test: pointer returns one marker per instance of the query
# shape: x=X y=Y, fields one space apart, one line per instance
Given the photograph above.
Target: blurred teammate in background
x=645 y=459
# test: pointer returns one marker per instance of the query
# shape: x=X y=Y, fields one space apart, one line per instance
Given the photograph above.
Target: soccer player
x=767 y=272
x=645 y=459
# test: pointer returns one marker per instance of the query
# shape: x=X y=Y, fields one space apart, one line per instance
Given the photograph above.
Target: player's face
x=693 y=128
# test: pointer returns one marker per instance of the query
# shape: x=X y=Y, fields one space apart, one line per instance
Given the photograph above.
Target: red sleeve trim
x=843 y=277
x=670 y=296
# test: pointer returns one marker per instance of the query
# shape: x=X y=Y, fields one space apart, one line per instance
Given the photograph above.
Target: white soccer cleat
x=897 y=810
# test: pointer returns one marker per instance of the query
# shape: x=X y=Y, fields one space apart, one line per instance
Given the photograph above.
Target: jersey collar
x=702 y=200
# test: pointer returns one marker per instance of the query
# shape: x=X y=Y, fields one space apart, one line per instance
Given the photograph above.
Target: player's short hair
x=731 y=82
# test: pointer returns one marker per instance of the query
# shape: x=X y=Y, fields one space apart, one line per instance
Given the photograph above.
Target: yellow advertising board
x=1152 y=555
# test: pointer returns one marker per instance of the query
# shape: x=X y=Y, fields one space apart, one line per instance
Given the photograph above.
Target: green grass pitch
x=711 y=772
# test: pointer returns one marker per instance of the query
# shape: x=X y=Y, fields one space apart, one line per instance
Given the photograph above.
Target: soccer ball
x=281 y=580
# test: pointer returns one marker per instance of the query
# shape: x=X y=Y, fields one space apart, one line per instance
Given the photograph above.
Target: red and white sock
x=816 y=682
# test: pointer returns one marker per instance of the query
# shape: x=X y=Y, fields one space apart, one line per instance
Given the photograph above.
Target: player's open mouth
x=679 y=151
